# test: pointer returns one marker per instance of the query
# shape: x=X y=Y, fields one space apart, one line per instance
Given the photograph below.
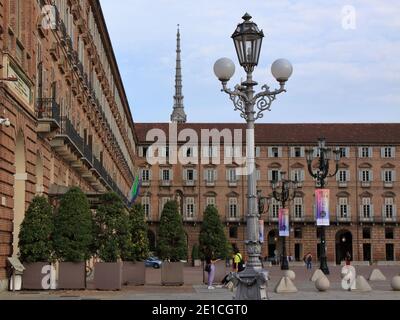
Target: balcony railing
x=48 y=109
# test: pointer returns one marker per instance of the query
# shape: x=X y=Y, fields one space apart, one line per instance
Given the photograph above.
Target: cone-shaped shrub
x=111 y=228
x=138 y=229
x=212 y=238
x=35 y=242
x=172 y=243
x=73 y=233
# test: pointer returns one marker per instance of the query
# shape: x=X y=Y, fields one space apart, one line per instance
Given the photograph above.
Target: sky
x=345 y=54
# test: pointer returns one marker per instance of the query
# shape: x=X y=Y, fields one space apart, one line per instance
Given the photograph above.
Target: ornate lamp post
x=286 y=194
x=325 y=155
x=248 y=39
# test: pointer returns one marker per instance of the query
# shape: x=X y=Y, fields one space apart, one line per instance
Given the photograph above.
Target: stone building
x=363 y=198
x=71 y=124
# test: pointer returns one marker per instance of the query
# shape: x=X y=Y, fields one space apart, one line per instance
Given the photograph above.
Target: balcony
x=366 y=218
x=210 y=183
x=342 y=184
x=232 y=183
x=232 y=219
x=48 y=114
x=273 y=218
x=189 y=183
x=343 y=219
x=146 y=183
x=388 y=184
x=298 y=219
x=365 y=184
x=392 y=219
x=165 y=183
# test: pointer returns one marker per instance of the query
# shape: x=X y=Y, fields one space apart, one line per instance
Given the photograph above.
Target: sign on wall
x=284 y=223
x=322 y=207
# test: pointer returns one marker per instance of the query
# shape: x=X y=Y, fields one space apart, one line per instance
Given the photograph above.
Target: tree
x=212 y=238
x=73 y=234
x=35 y=237
x=138 y=229
x=111 y=228
x=172 y=243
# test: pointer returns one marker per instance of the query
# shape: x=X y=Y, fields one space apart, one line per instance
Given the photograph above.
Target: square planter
x=172 y=274
x=220 y=272
x=133 y=273
x=33 y=276
x=72 y=276
x=108 y=276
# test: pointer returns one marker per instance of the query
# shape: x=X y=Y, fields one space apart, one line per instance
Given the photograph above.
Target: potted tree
x=134 y=271
x=110 y=237
x=35 y=244
x=172 y=245
x=213 y=241
x=196 y=256
x=72 y=239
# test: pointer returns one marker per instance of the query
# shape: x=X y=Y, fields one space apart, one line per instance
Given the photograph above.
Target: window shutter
x=171 y=175
x=292 y=175
x=394 y=211
x=303 y=152
x=140 y=151
x=227 y=174
x=393 y=152
x=184 y=174
x=258 y=175
x=360 y=152
x=269 y=175
x=150 y=175
x=292 y=152
x=302 y=175
x=383 y=211
x=205 y=174
x=258 y=152
x=338 y=210
x=360 y=175
x=382 y=152
x=371 y=175
x=383 y=175
x=215 y=174
x=372 y=211
x=338 y=176
x=280 y=152
x=370 y=151
x=270 y=152
x=161 y=174
x=394 y=175
x=195 y=175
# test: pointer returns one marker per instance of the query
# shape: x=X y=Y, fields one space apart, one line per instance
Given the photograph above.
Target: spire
x=178 y=115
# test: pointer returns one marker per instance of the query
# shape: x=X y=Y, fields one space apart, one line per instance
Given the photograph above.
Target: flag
x=134 y=193
x=322 y=207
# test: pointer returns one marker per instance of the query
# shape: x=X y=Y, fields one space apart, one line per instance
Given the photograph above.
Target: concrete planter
x=172 y=274
x=34 y=275
x=220 y=272
x=133 y=273
x=72 y=276
x=197 y=263
x=108 y=276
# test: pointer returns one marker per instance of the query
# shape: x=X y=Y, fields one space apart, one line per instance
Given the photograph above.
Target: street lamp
x=286 y=194
x=248 y=39
x=325 y=155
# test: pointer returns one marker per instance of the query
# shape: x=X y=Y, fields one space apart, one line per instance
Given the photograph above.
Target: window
x=388 y=208
x=274 y=209
x=389 y=233
x=258 y=152
x=343 y=176
x=298 y=208
x=298 y=234
x=190 y=207
x=231 y=175
x=166 y=175
x=146 y=206
x=365 y=152
x=145 y=175
x=165 y=152
x=233 y=211
x=233 y=232
x=344 y=152
x=189 y=152
x=389 y=252
x=210 y=176
x=275 y=152
x=366 y=175
x=210 y=151
x=298 y=175
x=190 y=175
x=343 y=208
x=388 y=176
x=274 y=175
x=366 y=208
x=210 y=201
x=367 y=233
x=388 y=152
x=297 y=152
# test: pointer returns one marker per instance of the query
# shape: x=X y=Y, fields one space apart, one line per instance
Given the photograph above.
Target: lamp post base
x=251 y=284
x=284 y=263
x=324 y=266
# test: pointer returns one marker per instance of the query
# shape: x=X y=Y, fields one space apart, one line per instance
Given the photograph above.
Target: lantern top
x=247 y=27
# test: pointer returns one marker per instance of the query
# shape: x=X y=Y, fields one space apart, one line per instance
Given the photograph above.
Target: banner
x=322 y=207
x=284 y=228
x=134 y=192
x=261 y=230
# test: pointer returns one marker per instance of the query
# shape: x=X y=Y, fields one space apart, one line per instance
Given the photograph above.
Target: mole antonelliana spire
x=178 y=115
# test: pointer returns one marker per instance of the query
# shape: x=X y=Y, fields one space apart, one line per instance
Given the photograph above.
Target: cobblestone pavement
x=195 y=290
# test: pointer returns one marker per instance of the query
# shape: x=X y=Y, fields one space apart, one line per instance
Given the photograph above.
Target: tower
x=178 y=115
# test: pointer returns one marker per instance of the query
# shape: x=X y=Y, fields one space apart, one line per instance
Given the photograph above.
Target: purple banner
x=284 y=223
x=322 y=207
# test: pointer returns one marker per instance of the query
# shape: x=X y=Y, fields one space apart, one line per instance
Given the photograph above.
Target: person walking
x=210 y=269
x=308 y=260
x=238 y=265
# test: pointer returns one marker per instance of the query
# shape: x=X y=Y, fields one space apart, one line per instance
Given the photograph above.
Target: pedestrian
x=210 y=269
x=348 y=258
x=238 y=262
x=308 y=260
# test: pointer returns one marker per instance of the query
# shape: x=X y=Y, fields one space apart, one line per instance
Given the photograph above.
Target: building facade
x=363 y=195
x=70 y=120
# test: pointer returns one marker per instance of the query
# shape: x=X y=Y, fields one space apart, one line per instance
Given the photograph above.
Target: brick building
x=363 y=194
x=70 y=120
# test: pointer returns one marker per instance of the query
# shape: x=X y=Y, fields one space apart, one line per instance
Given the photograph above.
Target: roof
x=334 y=133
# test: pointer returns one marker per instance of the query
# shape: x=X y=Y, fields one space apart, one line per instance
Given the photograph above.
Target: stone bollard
x=322 y=284
x=376 y=275
x=290 y=274
x=362 y=285
x=396 y=283
x=317 y=274
x=285 y=285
